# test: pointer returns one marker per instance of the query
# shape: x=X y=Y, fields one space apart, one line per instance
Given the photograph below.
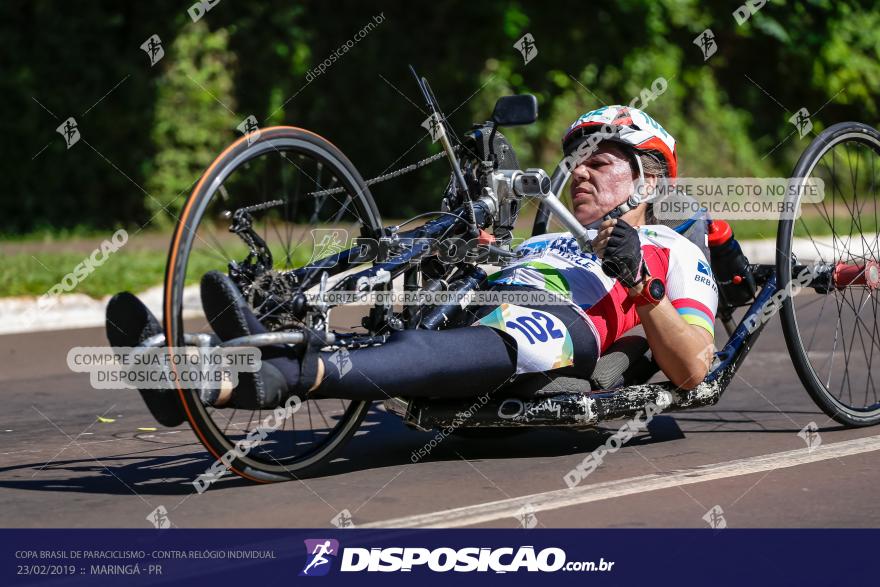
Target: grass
x=31 y=275
x=125 y=270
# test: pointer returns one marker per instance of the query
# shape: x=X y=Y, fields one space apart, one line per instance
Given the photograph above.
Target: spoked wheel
x=305 y=200
x=834 y=338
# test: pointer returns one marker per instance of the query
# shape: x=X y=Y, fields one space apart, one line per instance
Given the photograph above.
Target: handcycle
x=258 y=204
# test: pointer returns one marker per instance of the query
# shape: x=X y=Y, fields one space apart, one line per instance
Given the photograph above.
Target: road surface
x=740 y=463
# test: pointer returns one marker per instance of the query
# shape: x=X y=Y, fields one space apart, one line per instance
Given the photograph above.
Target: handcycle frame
x=571 y=408
x=577 y=406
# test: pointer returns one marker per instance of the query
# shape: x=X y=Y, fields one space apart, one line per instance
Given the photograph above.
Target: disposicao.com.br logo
x=320 y=553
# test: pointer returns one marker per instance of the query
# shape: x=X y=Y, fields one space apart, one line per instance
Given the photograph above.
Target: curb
x=22 y=314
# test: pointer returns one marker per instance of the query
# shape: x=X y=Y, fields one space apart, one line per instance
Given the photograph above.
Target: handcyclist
x=640 y=272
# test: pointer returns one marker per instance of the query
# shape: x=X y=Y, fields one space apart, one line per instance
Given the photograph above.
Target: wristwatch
x=653 y=290
x=652 y=293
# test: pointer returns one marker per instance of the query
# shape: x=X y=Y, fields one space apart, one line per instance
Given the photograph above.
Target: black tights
x=460 y=362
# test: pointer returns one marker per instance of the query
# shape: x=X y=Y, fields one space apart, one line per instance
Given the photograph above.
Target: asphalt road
x=62 y=467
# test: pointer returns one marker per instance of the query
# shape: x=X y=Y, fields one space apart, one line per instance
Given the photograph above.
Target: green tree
x=195 y=116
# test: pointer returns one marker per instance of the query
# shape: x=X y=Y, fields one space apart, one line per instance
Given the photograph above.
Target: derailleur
x=259 y=259
x=275 y=296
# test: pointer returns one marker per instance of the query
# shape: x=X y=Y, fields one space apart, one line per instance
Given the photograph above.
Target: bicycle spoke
x=818 y=321
x=229 y=421
x=321 y=412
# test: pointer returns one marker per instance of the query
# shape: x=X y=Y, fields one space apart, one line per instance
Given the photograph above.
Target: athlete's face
x=601 y=182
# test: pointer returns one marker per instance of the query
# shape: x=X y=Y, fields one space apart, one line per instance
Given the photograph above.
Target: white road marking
x=551 y=500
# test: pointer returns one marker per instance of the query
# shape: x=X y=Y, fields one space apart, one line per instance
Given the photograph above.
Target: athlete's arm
x=679 y=328
x=683 y=351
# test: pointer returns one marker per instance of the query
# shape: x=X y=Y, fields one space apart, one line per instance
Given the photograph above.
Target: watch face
x=656 y=289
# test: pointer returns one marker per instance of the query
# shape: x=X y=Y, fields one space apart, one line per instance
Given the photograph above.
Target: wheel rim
x=838 y=331
x=286 y=168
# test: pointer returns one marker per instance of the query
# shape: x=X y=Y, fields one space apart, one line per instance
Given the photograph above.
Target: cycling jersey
x=554 y=263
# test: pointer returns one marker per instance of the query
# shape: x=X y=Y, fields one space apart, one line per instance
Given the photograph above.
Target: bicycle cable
x=423 y=214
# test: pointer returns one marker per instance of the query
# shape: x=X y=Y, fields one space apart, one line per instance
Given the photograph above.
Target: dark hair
x=652 y=165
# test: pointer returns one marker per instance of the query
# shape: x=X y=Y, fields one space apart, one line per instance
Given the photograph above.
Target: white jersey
x=555 y=263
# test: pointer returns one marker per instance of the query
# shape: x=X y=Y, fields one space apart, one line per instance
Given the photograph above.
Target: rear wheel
x=833 y=337
x=300 y=189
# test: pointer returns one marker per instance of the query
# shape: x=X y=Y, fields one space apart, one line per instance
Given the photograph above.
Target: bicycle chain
x=408 y=169
x=385 y=177
x=263 y=206
x=378 y=179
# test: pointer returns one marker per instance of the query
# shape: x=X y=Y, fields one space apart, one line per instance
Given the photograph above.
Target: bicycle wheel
x=295 y=183
x=833 y=337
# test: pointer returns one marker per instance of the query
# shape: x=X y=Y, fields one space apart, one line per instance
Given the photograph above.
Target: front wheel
x=833 y=336
x=306 y=198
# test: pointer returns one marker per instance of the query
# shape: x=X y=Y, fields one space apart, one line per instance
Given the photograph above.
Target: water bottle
x=736 y=284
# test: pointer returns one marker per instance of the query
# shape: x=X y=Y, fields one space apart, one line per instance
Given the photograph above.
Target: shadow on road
x=382 y=441
x=123 y=474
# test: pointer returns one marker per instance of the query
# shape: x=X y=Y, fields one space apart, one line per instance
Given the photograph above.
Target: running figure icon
x=318 y=556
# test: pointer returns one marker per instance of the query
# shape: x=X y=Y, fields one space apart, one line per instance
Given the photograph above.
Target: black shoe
x=129 y=323
x=231 y=317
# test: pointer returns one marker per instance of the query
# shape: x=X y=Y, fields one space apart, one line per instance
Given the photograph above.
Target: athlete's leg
x=460 y=362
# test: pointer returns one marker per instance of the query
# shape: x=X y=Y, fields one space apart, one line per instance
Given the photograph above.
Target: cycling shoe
x=129 y=322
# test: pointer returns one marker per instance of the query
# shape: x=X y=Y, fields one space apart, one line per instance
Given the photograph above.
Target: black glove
x=623 y=255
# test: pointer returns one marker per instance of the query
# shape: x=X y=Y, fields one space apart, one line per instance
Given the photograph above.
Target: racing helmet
x=629 y=126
